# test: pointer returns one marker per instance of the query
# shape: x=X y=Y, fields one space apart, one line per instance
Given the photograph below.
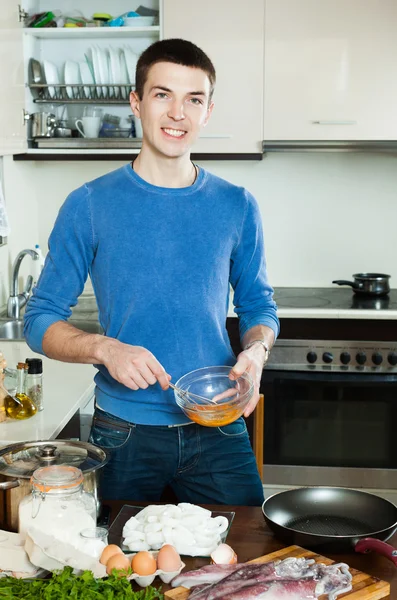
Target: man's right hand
x=133 y=366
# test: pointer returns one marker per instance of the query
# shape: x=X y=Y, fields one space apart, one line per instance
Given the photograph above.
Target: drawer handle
x=334 y=122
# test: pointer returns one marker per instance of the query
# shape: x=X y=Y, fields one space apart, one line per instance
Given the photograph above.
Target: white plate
x=115 y=68
x=95 y=64
x=72 y=76
x=51 y=76
x=86 y=77
x=124 y=79
x=131 y=60
x=103 y=69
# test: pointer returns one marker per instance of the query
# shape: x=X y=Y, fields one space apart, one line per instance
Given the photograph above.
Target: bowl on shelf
x=116 y=132
x=138 y=21
x=211 y=382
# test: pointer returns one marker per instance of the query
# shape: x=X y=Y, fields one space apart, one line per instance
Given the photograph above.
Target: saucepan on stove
x=18 y=461
x=372 y=284
x=333 y=519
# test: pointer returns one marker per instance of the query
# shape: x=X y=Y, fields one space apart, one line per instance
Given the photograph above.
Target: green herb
x=64 y=585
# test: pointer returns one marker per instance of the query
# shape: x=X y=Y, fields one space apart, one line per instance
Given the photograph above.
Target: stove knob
x=345 y=358
x=312 y=357
x=328 y=357
x=377 y=358
x=361 y=358
x=392 y=358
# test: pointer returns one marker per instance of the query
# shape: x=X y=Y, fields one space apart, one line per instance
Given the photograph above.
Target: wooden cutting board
x=365 y=587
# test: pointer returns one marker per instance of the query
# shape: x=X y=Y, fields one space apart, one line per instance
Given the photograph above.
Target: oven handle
x=270 y=375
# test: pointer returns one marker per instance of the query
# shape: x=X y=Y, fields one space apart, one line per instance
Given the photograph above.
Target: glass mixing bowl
x=209 y=382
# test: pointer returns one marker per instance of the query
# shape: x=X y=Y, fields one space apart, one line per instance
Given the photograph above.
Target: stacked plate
x=114 y=68
x=105 y=73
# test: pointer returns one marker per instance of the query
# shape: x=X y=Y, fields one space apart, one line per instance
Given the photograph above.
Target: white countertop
x=66 y=388
x=324 y=313
x=329 y=313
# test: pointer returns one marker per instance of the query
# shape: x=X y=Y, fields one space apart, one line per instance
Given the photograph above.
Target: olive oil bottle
x=20 y=407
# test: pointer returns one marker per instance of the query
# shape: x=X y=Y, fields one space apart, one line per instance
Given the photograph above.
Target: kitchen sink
x=13 y=329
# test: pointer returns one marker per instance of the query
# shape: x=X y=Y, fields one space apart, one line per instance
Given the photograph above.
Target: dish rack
x=81 y=93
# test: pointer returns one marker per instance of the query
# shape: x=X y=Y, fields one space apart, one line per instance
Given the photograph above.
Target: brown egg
x=168 y=559
x=118 y=561
x=144 y=563
x=108 y=552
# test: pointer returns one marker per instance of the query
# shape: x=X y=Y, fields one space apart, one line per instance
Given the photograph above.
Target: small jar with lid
x=34 y=381
x=58 y=505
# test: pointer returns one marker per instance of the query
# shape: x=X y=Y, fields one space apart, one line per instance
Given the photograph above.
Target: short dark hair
x=177 y=51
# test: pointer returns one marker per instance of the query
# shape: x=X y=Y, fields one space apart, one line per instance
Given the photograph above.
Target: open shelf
x=91 y=33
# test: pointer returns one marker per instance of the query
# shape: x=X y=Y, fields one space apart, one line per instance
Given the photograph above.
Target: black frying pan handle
x=345 y=282
x=367 y=544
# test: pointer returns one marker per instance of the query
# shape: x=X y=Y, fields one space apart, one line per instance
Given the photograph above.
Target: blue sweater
x=160 y=261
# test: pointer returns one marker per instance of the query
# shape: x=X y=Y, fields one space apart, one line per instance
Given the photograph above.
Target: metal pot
x=43 y=124
x=19 y=461
x=372 y=284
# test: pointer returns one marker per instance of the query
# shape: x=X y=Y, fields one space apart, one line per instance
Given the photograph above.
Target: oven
x=330 y=389
x=331 y=414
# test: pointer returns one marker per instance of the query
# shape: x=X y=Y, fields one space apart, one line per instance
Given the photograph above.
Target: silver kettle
x=42 y=124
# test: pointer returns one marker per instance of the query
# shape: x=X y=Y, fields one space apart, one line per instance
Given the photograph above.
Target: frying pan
x=332 y=518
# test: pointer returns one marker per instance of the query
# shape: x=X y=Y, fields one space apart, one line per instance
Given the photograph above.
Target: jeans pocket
x=239 y=427
x=111 y=434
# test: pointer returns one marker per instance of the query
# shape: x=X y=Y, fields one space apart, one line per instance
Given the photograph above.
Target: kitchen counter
x=66 y=388
x=250 y=538
x=299 y=303
x=331 y=303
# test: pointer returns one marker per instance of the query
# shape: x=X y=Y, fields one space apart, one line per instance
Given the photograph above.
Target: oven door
x=330 y=428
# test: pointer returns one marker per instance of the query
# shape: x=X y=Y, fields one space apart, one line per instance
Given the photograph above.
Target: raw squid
x=290 y=579
x=275 y=590
x=207 y=574
x=248 y=575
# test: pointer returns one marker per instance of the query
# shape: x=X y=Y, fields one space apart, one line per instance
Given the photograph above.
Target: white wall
x=326 y=215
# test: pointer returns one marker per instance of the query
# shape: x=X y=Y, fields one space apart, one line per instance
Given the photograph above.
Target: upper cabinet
x=232 y=35
x=330 y=70
x=12 y=99
x=50 y=74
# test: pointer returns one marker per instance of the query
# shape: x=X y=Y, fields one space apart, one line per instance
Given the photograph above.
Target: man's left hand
x=251 y=361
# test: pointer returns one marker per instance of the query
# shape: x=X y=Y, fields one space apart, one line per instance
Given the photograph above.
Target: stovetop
x=332 y=298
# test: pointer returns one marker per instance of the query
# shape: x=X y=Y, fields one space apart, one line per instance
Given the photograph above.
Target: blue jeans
x=202 y=465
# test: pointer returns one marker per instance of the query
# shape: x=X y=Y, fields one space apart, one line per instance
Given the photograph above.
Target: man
x=161 y=240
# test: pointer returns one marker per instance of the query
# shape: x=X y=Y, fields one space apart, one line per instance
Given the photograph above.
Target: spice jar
x=34 y=381
x=58 y=505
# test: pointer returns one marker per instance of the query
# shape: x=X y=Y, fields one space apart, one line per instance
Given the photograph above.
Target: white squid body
x=188 y=527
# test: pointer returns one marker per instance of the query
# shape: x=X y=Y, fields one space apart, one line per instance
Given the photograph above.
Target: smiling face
x=173 y=109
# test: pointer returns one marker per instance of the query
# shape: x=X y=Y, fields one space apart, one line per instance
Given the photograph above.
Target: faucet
x=17 y=301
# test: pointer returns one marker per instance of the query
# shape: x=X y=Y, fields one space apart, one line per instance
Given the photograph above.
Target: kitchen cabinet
x=232 y=35
x=12 y=99
x=18 y=44
x=330 y=70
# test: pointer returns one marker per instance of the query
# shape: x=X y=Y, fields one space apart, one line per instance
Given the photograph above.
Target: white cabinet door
x=232 y=36
x=12 y=97
x=330 y=70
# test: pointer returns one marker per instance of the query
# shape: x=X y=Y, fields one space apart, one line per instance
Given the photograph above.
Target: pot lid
x=21 y=460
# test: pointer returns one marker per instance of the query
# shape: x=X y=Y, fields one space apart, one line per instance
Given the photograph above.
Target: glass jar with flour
x=58 y=505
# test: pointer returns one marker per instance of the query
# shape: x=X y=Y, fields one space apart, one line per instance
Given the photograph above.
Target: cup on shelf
x=90 y=122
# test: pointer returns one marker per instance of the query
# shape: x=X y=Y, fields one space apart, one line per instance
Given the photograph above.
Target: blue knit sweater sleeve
x=253 y=295
x=71 y=251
